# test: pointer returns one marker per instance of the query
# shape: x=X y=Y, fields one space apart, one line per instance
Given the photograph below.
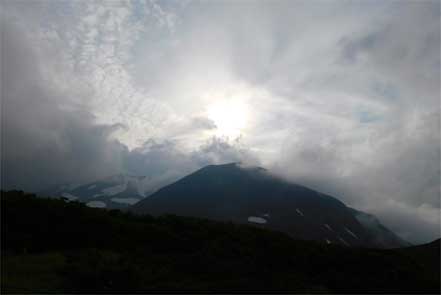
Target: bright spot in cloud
x=230 y=117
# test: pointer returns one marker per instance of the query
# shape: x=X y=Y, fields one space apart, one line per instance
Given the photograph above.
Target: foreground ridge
x=50 y=245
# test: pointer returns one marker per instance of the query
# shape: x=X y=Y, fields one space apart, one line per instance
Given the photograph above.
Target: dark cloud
x=45 y=140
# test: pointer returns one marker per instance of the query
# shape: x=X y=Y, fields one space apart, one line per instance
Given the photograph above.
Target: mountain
x=382 y=236
x=115 y=192
x=253 y=196
x=51 y=246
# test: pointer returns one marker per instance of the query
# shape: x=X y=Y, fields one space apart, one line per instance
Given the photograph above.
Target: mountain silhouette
x=233 y=193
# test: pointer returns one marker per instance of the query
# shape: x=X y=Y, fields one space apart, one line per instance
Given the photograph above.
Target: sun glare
x=229 y=116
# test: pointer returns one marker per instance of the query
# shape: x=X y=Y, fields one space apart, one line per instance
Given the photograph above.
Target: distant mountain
x=253 y=196
x=115 y=192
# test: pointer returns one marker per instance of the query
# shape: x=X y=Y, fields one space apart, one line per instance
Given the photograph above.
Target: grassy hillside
x=49 y=246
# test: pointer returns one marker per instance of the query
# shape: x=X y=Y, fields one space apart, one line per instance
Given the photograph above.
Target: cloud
x=45 y=138
x=164 y=162
x=341 y=96
x=419 y=225
x=372 y=138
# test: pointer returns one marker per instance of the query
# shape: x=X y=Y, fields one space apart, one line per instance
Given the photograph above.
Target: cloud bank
x=339 y=96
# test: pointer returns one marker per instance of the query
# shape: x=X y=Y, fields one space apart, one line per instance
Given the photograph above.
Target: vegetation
x=54 y=246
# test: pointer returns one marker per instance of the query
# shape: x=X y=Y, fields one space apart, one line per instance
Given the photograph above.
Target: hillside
x=230 y=192
x=50 y=245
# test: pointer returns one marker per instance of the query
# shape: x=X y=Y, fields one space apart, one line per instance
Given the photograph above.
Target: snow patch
x=266 y=215
x=256 y=219
x=129 y=201
x=96 y=204
x=351 y=233
x=113 y=190
x=69 y=197
x=328 y=227
x=299 y=212
x=343 y=241
x=92 y=186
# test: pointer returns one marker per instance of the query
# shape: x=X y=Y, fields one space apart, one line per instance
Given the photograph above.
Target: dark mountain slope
x=250 y=195
x=51 y=246
x=382 y=236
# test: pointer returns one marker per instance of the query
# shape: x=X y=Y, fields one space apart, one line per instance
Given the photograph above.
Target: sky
x=340 y=96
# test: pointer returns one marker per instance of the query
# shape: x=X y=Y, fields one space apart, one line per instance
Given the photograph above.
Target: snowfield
x=113 y=190
x=96 y=204
x=343 y=241
x=256 y=219
x=128 y=201
x=327 y=226
x=351 y=233
x=70 y=197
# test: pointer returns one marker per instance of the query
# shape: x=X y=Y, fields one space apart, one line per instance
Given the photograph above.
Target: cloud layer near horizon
x=339 y=96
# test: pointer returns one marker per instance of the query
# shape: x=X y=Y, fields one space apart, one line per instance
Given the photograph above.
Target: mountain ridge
x=66 y=247
x=251 y=195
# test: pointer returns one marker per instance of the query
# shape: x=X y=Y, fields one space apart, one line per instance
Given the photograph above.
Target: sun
x=230 y=117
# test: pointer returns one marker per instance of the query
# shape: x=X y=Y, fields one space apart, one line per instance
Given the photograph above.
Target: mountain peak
x=230 y=192
x=238 y=166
